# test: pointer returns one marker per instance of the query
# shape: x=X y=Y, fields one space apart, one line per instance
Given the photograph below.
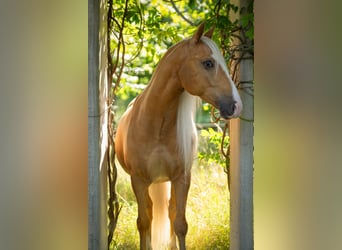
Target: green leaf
x=191 y=4
x=250 y=34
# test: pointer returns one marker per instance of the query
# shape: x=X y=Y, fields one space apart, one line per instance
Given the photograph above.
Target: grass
x=207 y=211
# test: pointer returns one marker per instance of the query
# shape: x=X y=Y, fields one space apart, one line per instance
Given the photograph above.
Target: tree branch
x=180 y=14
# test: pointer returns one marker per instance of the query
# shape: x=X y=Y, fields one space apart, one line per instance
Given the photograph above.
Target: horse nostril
x=232 y=108
x=229 y=109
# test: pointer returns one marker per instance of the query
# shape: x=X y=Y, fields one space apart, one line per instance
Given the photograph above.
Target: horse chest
x=161 y=164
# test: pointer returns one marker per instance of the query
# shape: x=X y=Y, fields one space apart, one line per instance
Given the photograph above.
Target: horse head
x=204 y=73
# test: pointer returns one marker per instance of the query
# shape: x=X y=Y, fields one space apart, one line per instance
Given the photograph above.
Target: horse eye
x=208 y=64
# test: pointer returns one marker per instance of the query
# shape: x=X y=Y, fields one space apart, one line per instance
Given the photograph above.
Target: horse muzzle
x=230 y=109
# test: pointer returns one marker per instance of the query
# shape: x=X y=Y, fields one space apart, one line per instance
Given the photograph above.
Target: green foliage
x=210 y=146
x=247 y=21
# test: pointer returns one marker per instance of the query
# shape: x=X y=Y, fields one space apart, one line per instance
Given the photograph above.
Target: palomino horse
x=156 y=137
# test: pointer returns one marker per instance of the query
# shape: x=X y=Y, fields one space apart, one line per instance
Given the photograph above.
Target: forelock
x=216 y=54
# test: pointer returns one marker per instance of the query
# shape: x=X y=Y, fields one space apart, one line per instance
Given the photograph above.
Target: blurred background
x=43 y=103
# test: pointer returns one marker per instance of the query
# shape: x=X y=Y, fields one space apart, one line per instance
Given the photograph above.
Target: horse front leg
x=181 y=189
x=144 y=201
x=172 y=217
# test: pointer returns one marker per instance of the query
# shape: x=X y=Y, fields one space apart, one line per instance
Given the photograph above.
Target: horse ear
x=197 y=36
x=210 y=32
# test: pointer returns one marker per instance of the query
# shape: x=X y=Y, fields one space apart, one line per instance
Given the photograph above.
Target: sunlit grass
x=126 y=235
x=207 y=211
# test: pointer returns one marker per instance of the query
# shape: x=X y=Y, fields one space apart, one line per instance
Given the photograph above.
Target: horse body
x=156 y=137
x=150 y=128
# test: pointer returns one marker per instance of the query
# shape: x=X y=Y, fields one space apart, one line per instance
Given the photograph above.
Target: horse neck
x=161 y=97
x=167 y=108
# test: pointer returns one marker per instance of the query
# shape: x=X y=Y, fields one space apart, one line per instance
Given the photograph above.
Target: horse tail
x=160 y=195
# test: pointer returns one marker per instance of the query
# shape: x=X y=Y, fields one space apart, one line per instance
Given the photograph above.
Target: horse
x=156 y=138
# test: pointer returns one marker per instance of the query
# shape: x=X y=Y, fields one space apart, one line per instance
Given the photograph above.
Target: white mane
x=186 y=129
